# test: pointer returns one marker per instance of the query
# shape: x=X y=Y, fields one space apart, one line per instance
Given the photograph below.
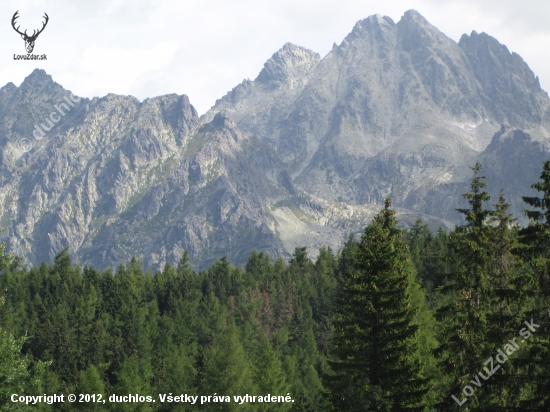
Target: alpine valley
x=303 y=155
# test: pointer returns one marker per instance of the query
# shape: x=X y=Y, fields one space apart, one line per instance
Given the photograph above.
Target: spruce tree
x=89 y=382
x=133 y=378
x=463 y=330
x=227 y=371
x=536 y=250
x=173 y=368
x=374 y=344
x=270 y=377
x=429 y=253
x=307 y=386
x=506 y=299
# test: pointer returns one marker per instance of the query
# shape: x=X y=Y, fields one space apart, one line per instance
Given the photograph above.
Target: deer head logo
x=29 y=40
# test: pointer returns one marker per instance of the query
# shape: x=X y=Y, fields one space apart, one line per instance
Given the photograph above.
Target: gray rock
x=303 y=155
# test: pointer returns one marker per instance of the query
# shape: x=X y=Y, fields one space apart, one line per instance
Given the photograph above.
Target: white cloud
x=204 y=48
x=121 y=70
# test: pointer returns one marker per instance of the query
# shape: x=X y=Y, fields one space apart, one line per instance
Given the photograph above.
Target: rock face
x=301 y=156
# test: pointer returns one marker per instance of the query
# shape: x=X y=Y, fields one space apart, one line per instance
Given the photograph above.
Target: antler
x=15 y=16
x=35 y=35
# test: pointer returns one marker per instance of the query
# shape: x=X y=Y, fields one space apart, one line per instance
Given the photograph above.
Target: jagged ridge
x=301 y=156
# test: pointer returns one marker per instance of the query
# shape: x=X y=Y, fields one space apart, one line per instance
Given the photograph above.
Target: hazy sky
x=205 y=48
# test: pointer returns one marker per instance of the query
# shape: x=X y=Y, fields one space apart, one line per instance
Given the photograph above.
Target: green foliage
x=430 y=254
x=224 y=330
x=133 y=378
x=227 y=370
x=90 y=382
x=535 y=250
x=464 y=319
x=353 y=330
x=18 y=374
x=487 y=291
x=376 y=363
x=269 y=375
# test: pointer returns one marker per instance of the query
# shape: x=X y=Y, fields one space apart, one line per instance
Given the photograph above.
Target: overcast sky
x=205 y=48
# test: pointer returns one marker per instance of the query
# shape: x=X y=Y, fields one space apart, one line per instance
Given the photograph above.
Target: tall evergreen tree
x=89 y=382
x=270 y=377
x=374 y=344
x=228 y=371
x=464 y=320
x=134 y=377
x=536 y=241
x=507 y=292
x=304 y=363
x=430 y=254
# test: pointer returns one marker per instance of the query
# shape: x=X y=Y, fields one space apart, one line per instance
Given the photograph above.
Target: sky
x=205 y=48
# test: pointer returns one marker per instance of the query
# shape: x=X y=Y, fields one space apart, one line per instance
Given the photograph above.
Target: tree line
x=398 y=320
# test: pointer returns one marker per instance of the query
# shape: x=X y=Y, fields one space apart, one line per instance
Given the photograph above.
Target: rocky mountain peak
x=375 y=20
x=288 y=63
x=411 y=19
x=416 y=32
x=515 y=91
x=38 y=88
x=26 y=106
x=8 y=88
x=373 y=27
x=483 y=45
x=37 y=79
x=302 y=156
x=413 y=16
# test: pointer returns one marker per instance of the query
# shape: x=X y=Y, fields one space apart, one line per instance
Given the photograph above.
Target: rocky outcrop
x=303 y=155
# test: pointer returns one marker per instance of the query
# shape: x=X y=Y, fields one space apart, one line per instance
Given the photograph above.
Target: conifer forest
x=396 y=320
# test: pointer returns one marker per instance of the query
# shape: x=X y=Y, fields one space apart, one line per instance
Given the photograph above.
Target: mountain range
x=303 y=155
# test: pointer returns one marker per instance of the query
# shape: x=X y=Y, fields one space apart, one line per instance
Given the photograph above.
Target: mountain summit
x=302 y=155
x=291 y=63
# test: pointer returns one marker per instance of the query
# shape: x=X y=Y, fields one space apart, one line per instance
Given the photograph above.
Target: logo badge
x=29 y=40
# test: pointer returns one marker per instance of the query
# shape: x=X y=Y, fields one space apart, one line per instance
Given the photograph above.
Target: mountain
x=303 y=155
x=393 y=109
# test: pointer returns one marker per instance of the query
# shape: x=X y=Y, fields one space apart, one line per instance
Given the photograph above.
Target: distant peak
x=479 y=37
x=373 y=25
x=288 y=62
x=415 y=31
x=291 y=47
x=38 y=76
x=378 y=18
x=8 y=87
x=413 y=18
x=482 y=40
x=375 y=20
x=413 y=14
